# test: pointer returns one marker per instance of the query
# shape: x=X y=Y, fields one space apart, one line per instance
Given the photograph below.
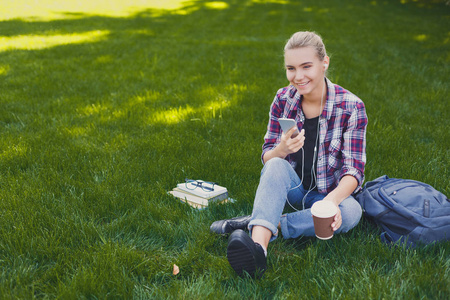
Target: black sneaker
x=230 y=225
x=244 y=255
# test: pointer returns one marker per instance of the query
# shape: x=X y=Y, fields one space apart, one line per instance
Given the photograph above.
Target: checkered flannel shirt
x=342 y=146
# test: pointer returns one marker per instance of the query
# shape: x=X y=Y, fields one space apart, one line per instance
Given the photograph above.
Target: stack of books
x=199 y=193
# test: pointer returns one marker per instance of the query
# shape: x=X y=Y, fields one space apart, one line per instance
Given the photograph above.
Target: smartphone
x=287 y=124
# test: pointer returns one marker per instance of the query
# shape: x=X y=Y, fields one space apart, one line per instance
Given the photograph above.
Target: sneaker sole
x=240 y=255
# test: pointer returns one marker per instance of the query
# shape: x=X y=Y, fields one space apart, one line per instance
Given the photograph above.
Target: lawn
x=107 y=105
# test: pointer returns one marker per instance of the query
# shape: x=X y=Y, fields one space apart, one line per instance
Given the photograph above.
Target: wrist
x=331 y=199
x=279 y=152
x=271 y=154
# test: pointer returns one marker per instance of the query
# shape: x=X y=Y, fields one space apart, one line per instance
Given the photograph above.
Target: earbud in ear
x=325 y=65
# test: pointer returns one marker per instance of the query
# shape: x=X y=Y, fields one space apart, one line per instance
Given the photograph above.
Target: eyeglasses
x=204 y=185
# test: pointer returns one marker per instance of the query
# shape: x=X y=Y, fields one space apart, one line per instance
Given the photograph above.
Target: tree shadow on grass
x=163 y=95
x=103 y=115
x=171 y=89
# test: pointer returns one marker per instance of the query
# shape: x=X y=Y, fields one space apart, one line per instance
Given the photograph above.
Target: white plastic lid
x=324 y=209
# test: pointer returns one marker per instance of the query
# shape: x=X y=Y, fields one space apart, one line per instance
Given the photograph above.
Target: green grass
x=103 y=109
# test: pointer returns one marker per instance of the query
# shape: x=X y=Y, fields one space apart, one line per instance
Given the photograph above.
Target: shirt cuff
x=358 y=175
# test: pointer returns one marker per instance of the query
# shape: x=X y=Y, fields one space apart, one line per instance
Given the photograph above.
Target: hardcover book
x=200 y=194
x=195 y=187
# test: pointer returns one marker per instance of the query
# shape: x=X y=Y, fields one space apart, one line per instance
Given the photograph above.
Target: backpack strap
x=365 y=193
x=376 y=181
x=386 y=238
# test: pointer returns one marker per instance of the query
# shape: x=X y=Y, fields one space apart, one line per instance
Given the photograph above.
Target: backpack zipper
x=386 y=199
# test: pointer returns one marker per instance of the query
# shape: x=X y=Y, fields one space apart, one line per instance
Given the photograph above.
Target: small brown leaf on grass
x=176 y=270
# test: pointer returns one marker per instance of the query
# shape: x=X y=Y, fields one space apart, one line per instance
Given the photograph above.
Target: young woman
x=324 y=162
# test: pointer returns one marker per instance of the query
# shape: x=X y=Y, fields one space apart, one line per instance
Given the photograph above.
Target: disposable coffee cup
x=323 y=213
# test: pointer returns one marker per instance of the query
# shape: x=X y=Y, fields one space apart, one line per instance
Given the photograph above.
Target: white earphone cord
x=313 y=169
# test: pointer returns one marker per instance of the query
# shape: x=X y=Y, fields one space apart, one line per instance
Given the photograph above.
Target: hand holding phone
x=286 y=124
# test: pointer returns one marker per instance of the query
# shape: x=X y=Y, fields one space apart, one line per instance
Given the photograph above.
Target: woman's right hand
x=289 y=144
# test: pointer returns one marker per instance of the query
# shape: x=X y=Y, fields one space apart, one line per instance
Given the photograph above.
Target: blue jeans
x=280 y=186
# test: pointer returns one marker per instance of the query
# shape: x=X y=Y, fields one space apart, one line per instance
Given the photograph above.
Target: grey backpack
x=408 y=211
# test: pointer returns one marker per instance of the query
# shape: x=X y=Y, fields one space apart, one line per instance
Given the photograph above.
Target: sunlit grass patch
x=33 y=42
x=4 y=70
x=51 y=10
x=216 y=5
x=12 y=151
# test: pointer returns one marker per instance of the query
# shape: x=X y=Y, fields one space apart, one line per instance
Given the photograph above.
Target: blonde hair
x=307 y=39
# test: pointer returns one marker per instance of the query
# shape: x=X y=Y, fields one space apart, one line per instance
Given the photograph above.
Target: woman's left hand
x=337 y=220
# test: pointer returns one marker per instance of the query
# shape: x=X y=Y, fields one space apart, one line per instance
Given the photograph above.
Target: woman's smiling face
x=304 y=70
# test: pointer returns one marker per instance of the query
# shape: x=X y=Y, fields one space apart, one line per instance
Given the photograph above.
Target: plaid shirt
x=342 y=146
